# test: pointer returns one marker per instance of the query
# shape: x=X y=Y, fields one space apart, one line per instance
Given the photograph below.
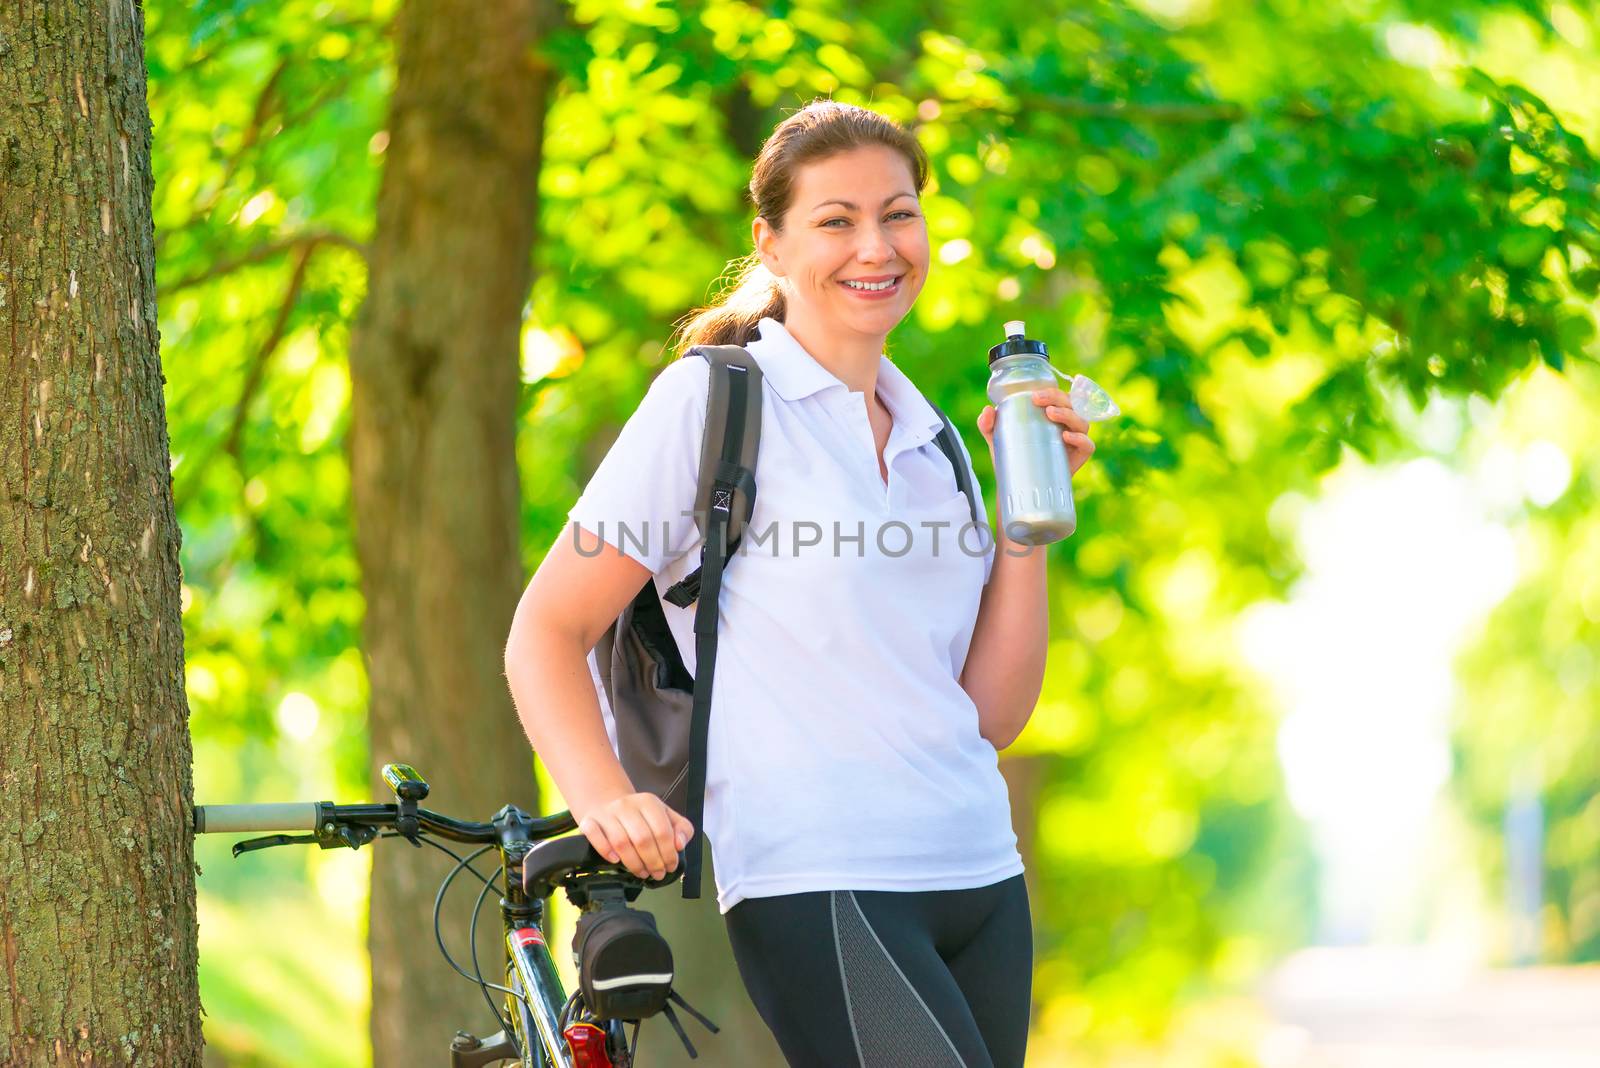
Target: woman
x=866 y=866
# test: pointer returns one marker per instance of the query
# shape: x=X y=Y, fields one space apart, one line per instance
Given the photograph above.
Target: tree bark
x=435 y=373
x=97 y=909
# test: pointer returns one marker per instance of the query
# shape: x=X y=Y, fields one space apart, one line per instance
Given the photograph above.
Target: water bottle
x=1030 y=459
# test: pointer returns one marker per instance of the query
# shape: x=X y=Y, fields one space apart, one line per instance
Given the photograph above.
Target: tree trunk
x=97 y=908
x=435 y=372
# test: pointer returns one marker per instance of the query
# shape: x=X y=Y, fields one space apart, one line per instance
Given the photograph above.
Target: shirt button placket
x=880 y=485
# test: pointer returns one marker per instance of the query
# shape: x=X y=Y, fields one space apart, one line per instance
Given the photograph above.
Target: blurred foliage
x=263 y=117
x=1527 y=726
x=261 y=994
x=1252 y=223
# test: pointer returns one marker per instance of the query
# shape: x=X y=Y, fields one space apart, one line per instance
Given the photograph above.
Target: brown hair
x=821 y=129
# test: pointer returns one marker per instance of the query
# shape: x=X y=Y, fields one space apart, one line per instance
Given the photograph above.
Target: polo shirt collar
x=794 y=373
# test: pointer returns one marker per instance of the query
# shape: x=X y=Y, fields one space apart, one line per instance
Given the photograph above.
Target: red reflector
x=588 y=1044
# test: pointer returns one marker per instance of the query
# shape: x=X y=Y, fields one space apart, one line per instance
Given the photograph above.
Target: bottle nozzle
x=1016 y=342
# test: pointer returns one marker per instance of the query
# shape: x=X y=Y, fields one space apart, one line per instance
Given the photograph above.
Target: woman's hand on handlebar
x=639 y=831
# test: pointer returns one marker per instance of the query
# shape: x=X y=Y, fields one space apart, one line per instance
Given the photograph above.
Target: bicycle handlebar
x=218 y=819
x=316 y=815
x=331 y=825
x=535 y=857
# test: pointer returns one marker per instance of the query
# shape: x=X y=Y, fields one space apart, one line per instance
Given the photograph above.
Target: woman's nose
x=875 y=246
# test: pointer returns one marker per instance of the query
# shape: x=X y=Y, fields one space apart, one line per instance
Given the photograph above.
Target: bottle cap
x=1016 y=342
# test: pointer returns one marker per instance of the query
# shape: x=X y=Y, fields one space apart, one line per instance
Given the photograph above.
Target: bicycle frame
x=540 y=985
x=538 y=1004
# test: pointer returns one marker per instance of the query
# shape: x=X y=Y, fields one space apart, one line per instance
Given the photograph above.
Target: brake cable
x=465 y=863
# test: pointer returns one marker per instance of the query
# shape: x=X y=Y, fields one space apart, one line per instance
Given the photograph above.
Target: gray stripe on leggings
x=895 y=1021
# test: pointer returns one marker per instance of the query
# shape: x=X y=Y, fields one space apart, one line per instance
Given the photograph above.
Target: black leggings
x=888 y=978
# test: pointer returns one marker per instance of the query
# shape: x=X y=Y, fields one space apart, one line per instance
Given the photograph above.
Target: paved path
x=1407 y=1008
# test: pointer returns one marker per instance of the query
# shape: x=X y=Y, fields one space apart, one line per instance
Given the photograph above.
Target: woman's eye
x=907 y=214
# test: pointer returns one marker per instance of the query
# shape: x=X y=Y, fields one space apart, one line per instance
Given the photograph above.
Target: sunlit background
x=1315 y=778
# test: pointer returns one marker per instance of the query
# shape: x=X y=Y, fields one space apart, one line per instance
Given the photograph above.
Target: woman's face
x=855 y=217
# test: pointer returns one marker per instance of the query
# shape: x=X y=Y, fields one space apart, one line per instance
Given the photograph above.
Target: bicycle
x=543 y=1027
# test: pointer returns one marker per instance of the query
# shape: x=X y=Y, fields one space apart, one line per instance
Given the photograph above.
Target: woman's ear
x=766 y=242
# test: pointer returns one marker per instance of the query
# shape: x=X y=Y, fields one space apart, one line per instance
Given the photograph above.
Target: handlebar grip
x=215 y=819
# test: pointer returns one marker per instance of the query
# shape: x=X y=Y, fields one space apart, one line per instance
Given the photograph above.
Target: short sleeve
x=983 y=513
x=640 y=500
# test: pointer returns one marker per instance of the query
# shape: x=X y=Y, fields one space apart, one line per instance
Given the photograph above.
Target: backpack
x=661 y=712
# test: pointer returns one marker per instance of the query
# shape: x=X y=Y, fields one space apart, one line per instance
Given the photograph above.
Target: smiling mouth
x=876 y=287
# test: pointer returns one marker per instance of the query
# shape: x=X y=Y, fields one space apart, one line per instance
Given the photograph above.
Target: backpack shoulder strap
x=950 y=445
x=727 y=451
x=725 y=499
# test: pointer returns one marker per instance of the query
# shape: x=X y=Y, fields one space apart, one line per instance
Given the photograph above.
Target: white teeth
x=872 y=286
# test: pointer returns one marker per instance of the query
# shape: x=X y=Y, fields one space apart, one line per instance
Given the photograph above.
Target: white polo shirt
x=843 y=752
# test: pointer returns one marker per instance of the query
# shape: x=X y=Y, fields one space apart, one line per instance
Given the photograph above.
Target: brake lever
x=353 y=835
x=271 y=840
x=328 y=836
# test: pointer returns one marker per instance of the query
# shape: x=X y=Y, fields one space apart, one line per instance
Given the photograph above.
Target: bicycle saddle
x=554 y=860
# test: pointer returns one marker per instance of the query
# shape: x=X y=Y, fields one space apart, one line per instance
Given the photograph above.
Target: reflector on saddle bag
x=661 y=712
